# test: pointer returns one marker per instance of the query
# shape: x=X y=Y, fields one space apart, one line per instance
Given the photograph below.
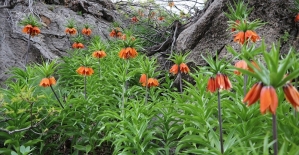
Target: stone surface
x=52 y=42
x=210 y=34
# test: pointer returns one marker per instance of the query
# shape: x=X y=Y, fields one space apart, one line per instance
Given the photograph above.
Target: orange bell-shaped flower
x=268 y=99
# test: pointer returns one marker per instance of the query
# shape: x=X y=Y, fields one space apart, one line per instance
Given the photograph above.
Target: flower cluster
x=151 y=82
x=221 y=82
x=47 y=82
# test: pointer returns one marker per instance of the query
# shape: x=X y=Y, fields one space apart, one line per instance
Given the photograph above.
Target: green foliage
x=166 y=123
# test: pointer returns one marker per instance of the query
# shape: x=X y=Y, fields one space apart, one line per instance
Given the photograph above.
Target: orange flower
x=142 y=79
x=211 y=85
x=174 y=69
x=239 y=37
x=52 y=80
x=235 y=25
x=119 y=34
x=254 y=94
x=35 y=31
x=161 y=18
x=86 y=31
x=77 y=45
x=71 y=31
x=31 y=30
x=152 y=82
x=134 y=19
x=99 y=54
x=112 y=33
x=127 y=53
x=222 y=82
x=170 y=4
x=242 y=37
x=184 y=68
x=268 y=99
x=27 y=29
x=249 y=34
x=47 y=82
x=296 y=18
x=123 y=37
x=228 y=84
x=240 y=64
x=85 y=71
x=292 y=95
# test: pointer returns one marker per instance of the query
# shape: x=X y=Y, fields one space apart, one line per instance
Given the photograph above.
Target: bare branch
x=23 y=129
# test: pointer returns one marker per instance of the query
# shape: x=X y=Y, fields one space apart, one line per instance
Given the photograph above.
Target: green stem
x=274 y=129
x=85 y=96
x=99 y=67
x=56 y=97
x=220 y=122
x=146 y=90
x=26 y=54
x=180 y=80
x=245 y=84
x=296 y=86
x=125 y=85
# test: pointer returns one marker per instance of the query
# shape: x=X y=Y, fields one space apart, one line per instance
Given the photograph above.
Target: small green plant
x=285 y=37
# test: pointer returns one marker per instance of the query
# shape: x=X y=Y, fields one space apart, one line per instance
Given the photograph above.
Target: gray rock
x=52 y=42
x=209 y=32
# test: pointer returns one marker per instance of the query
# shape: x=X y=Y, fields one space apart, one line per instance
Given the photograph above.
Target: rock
x=52 y=43
x=210 y=34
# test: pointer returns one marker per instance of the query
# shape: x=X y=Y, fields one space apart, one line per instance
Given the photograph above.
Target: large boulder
x=209 y=34
x=52 y=42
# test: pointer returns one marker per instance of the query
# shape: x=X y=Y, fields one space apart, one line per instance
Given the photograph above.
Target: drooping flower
x=242 y=37
x=211 y=85
x=239 y=37
x=71 y=31
x=86 y=71
x=152 y=82
x=127 y=53
x=78 y=45
x=222 y=82
x=266 y=94
x=86 y=31
x=254 y=94
x=47 y=82
x=240 y=64
x=142 y=79
x=31 y=30
x=292 y=95
x=296 y=18
x=119 y=34
x=251 y=35
x=134 y=19
x=161 y=18
x=174 y=69
x=99 y=54
x=184 y=68
x=268 y=99
x=27 y=29
x=112 y=33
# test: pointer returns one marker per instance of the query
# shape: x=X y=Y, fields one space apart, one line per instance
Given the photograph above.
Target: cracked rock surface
x=52 y=43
